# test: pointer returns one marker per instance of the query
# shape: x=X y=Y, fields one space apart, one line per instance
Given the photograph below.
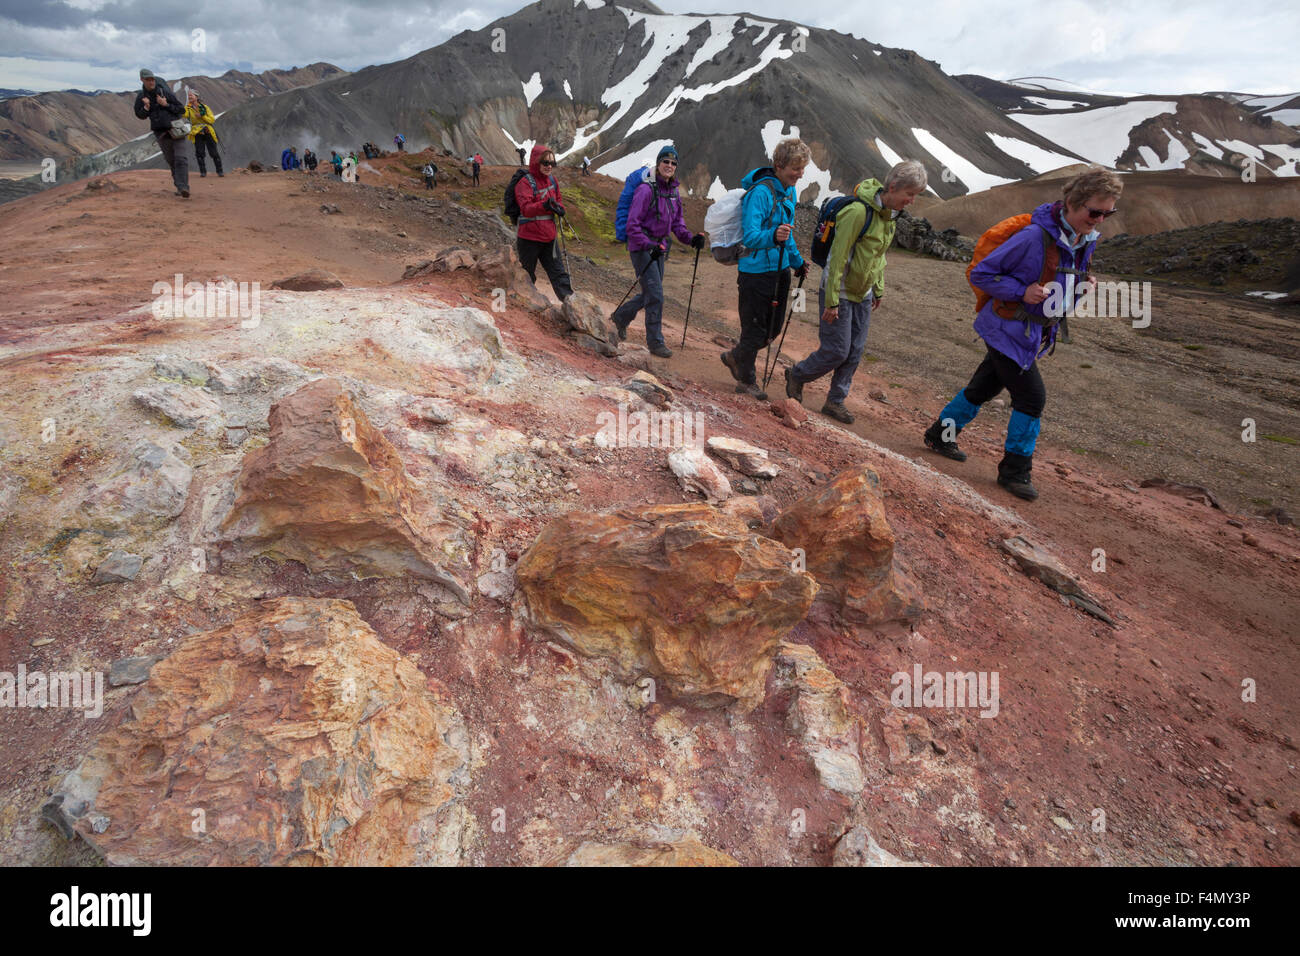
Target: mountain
x=1213 y=133
x=613 y=82
x=71 y=123
x=10 y=94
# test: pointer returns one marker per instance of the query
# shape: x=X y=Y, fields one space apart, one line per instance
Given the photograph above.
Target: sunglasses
x=667 y=162
x=1100 y=213
x=546 y=163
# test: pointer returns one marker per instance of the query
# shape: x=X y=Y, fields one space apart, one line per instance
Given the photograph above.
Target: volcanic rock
x=1038 y=564
x=181 y=405
x=686 y=851
x=697 y=472
x=849 y=549
x=291 y=736
x=858 y=848
x=820 y=717
x=118 y=568
x=584 y=314
x=150 y=488
x=313 y=280
x=741 y=455
x=682 y=593
x=329 y=490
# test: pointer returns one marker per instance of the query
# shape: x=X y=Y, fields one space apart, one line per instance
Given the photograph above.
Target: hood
x=539 y=150
x=755 y=176
x=1048 y=215
x=867 y=190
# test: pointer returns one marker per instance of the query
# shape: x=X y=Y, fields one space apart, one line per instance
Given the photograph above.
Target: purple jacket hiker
x=1009 y=269
x=649 y=221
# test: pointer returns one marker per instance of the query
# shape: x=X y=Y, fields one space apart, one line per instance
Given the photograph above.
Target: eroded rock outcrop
x=818 y=714
x=849 y=549
x=681 y=593
x=291 y=736
x=329 y=490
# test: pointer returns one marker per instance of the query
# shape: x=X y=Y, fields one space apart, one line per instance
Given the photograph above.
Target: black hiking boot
x=662 y=351
x=934 y=441
x=793 y=387
x=1014 y=475
x=729 y=360
x=751 y=388
x=620 y=328
x=837 y=411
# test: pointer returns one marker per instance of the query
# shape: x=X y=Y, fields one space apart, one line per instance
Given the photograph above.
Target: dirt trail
x=1146 y=721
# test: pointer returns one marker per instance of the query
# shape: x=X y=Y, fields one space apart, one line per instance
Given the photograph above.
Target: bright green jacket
x=866 y=268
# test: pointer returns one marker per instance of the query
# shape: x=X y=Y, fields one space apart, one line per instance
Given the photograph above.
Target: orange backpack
x=994 y=237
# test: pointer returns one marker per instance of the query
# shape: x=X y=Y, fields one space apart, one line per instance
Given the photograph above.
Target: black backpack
x=511 y=203
x=824 y=234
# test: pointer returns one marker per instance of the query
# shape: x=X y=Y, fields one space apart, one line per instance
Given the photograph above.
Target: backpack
x=512 y=209
x=994 y=237
x=824 y=234
x=634 y=179
x=724 y=223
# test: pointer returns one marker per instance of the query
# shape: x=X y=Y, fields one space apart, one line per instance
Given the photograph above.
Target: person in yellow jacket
x=203 y=134
x=852 y=282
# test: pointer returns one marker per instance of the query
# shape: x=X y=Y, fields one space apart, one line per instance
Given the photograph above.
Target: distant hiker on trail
x=655 y=213
x=289 y=159
x=309 y=160
x=1024 y=285
x=478 y=165
x=764 y=277
x=586 y=166
x=160 y=107
x=853 y=282
x=202 y=133
x=430 y=171
x=538 y=196
x=337 y=162
x=356 y=167
x=520 y=151
x=349 y=169
x=400 y=142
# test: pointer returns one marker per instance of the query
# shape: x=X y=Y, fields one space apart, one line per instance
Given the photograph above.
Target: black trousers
x=531 y=251
x=204 y=142
x=996 y=372
x=177 y=161
x=759 y=321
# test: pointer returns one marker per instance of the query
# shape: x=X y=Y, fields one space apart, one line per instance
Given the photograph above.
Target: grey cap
x=146 y=74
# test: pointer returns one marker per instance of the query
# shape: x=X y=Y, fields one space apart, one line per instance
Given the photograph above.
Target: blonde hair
x=791 y=153
x=1093 y=181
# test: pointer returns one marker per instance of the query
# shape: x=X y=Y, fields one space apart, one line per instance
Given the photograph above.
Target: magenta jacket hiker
x=656 y=210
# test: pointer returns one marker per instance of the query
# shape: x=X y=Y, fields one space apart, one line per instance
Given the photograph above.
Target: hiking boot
x=185 y=194
x=662 y=351
x=1014 y=475
x=837 y=411
x=620 y=328
x=793 y=387
x=934 y=441
x=751 y=388
x=729 y=360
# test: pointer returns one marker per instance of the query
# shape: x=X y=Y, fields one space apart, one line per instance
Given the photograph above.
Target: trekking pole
x=771 y=317
x=767 y=375
x=564 y=251
x=690 y=298
x=634 y=284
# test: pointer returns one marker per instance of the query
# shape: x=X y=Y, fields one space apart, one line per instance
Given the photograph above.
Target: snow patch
x=1035 y=157
x=1051 y=104
x=567 y=92
x=767 y=28
x=893 y=159
x=1290 y=157
x=721 y=30
x=1269 y=295
x=645 y=156
x=527 y=144
x=974 y=178
x=532 y=89
x=1289 y=117
x=1246 y=149
x=1099 y=134
x=1176 y=156
x=581 y=138
x=1208 y=145
x=716 y=190
x=812 y=174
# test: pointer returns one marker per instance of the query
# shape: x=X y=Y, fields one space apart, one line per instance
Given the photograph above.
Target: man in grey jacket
x=160 y=106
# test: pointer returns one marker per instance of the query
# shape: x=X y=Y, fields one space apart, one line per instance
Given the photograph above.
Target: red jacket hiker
x=532 y=206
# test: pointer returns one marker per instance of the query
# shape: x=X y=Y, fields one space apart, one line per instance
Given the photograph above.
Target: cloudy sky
x=1120 y=46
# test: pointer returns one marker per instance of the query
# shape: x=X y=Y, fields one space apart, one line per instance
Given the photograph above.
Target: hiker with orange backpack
x=1025 y=273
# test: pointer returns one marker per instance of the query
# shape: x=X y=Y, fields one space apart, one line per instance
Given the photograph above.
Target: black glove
x=656 y=252
x=555 y=207
x=802 y=271
x=698 y=241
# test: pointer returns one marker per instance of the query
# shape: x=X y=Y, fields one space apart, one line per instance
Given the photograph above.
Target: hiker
x=586 y=166
x=289 y=159
x=202 y=133
x=337 y=162
x=399 y=141
x=520 y=151
x=430 y=171
x=538 y=196
x=770 y=252
x=655 y=215
x=356 y=167
x=1021 y=281
x=309 y=160
x=853 y=282
x=348 y=170
x=160 y=107
x=478 y=165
